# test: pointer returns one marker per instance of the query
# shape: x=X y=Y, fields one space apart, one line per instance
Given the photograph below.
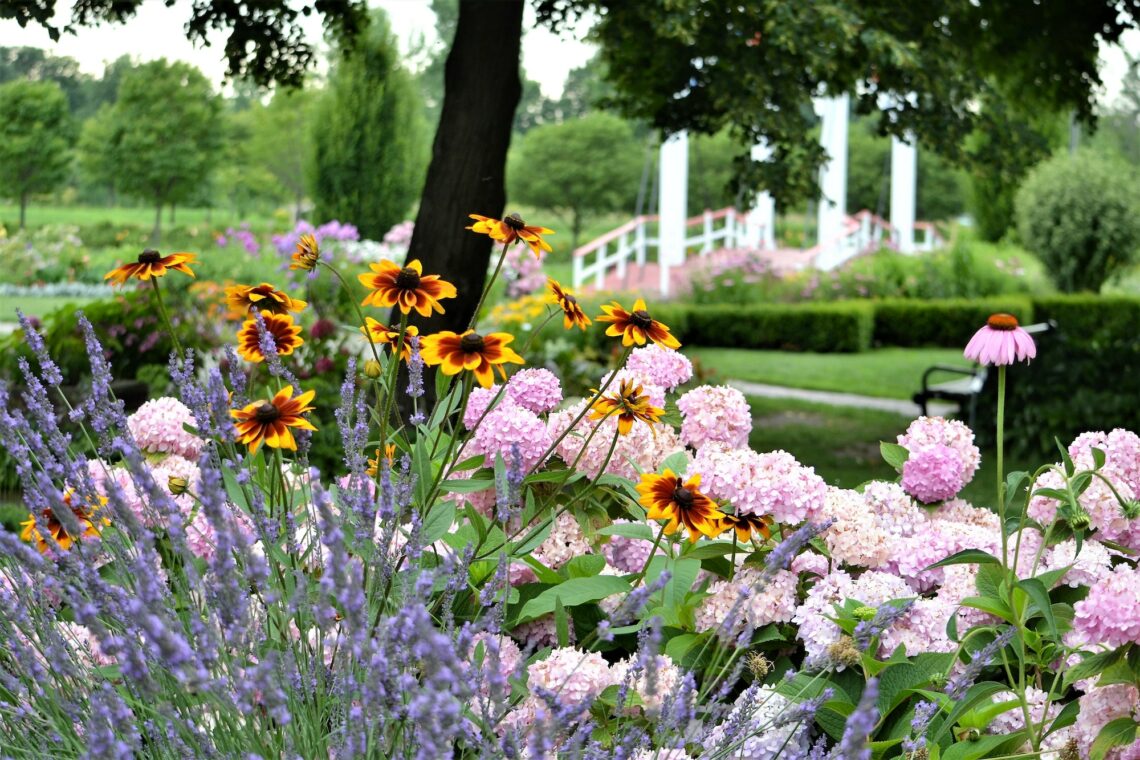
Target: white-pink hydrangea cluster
x=855 y=537
x=657 y=682
x=201 y=538
x=643 y=449
x=507 y=654
x=745 y=600
x=921 y=629
x=1098 y=708
x=565 y=542
x=523 y=272
x=660 y=366
x=715 y=413
x=959 y=582
x=894 y=509
x=83 y=642
x=816 y=630
x=1110 y=614
x=538 y=633
x=628 y=555
x=1089 y=566
x=925 y=431
x=1121 y=455
x=811 y=563
x=574 y=676
x=953 y=527
x=479 y=400
x=934 y=472
x=157 y=427
x=1041 y=710
x=760 y=484
x=507 y=429
x=759 y=734
x=537 y=389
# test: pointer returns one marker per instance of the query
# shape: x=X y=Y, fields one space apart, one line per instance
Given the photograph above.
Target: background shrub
x=1079 y=214
x=844 y=327
x=908 y=322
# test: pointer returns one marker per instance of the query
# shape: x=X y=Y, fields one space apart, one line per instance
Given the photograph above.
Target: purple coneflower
x=1000 y=341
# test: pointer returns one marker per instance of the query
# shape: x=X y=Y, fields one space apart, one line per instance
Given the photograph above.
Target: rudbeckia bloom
x=747 y=525
x=245 y=298
x=268 y=422
x=510 y=230
x=389 y=457
x=472 y=351
x=84 y=514
x=628 y=404
x=409 y=288
x=1000 y=341
x=151 y=263
x=636 y=326
x=667 y=497
x=381 y=334
x=572 y=313
x=286 y=336
x=307 y=254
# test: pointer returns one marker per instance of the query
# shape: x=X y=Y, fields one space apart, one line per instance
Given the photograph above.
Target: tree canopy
x=35 y=136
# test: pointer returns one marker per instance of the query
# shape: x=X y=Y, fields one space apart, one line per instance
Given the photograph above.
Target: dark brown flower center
x=471 y=343
x=408 y=279
x=641 y=318
x=150 y=256
x=569 y=299
x=267 y=412
x=683 y=497
x=1002 y=322
x=514 y=221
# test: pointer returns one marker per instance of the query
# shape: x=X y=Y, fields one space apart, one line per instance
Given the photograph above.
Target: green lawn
x=39 y=215
x=35 y=306
x=884 y=372
x=842 y=444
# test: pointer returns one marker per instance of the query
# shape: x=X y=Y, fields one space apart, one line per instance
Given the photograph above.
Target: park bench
x=964 y=389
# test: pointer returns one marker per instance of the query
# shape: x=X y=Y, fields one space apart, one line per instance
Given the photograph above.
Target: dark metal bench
x=965 y=389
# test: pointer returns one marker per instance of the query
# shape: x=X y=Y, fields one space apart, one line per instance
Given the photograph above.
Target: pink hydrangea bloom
x=895 y=511
x=539 y=633
x=643 y=449
x=1098 y=501
x=748 y=601
x=911 y=555
x=501 y=652
x=511 y=428
x=812 y=563
x=1092 y=565
x=761 y=739
x=538 y=390
x=157 y=428
x=479 y=401
x=921 y=629
x=653 y=688
x=482 y=501
x=200 y=536
x=873 y=588
x=855 y=537
x=576 y=677
x=959 y=582
x=930 y=430
x=1110 y=614
x=1121 y=454
x=84 y=643
x=1041 y=710
x=565 y=542
x=760 y=484
x=1100 y=707
x=628 y=555
x=933 y=473
x=715 y=413
x=1000 y=341
x=660 y=366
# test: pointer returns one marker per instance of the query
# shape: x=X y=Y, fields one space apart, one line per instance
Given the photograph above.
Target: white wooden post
x=904 y=184
x=639 y=238
x=672 y=204
x=730 y=229
x=760 y=222
x=707 y=242
x=833 y=179
x=600 y=277
x=622 y=255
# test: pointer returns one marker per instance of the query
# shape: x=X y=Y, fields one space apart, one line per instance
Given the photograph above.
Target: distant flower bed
x=498 y=570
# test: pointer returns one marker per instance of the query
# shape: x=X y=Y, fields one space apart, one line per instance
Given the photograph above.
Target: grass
x=884 y=372
x=842 y=444
x=35 y=306
x=43 y=214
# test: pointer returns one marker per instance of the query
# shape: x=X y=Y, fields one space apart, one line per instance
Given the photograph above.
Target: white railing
x=613 y=251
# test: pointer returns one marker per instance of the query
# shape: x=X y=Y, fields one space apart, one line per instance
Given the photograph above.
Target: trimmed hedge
x=945 y=322
x=794 y=327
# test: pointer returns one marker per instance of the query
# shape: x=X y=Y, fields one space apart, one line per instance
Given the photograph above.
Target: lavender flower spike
x=860 y=725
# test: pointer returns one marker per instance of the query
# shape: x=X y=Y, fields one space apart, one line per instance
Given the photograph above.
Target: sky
x=157 y=31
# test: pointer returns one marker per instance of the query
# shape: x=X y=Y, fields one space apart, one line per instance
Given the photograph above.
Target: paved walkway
x=897 y=406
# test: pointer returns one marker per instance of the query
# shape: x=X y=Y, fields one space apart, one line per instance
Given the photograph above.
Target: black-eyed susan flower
x=85 y=514
x=307 y=254
x=150 y=264
x=286 y=336
x=389 y=457
x=636 y=326
x=383 y=335
x=472 y=351
x=747 y=526
x=241 y=299
x=408 y=287
x=668 y=497
x=510 y=230
x=269 y=421
x=572 y=313
x=628 y=403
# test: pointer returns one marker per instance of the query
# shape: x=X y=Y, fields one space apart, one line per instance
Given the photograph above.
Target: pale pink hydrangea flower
x=576 y=677
x=896 y=512
x=1104 y=510
x=565 y=542
x=748 y=600
x=925 y=431
x=715 y=413
x=654 y=689
x=911 y=555
x=504 y=651
x=855 y=537
x=479 y=401
x=1092 y=565
x=643 y=449
x=539 y=633
x=812 y=563
x=482 y=501
x=628 y=555
x=660 y=366
x=1013 y=720
x=538 y=389
x=1000 y=341
x=764 y=735
x=83 y=641
x=872 y=588
x=1110 y=614
x=1100 y=707
x=921 y=629
x=200 y=536
x=933 y=473
x=760 y=484
x=157 y=428
x=507 y=429
x=1121 y=454
x=959 y=582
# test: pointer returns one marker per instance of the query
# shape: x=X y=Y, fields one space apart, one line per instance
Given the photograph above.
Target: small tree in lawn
x=279 y=141
x=580 y=168
x=35 y=132
x=166 y=134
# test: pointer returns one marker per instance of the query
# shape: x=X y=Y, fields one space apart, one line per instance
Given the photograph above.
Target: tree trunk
x=469 y=155
x=172 y=205
x=23 y=209
x=156 y=233
x=575 y=230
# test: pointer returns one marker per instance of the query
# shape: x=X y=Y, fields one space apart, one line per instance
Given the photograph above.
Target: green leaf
x=896 y=681
x=975 y=694
x=470 y=485
x=894 y=455
x=572 y=593
x=584 y=566
x=678 y=462
x=684 y=573
x=561 y=623
x=993 y=606
x=1040 y=597
x=1094 y=665
x=1098 y=457
x=967 y=557
x=677 y=646
x=631 y=530
x=1116 y=733
x=982 y=747
x=438 y=523
x=713 y=549
x=531 y=540
x=1013 y=482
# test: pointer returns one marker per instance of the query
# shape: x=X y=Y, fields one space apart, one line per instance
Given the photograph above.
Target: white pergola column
x=833 y=177
x=904 y=187
x=760 y=224
x=672 y=201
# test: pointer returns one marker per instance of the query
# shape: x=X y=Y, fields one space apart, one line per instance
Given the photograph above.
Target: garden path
x=897 y=406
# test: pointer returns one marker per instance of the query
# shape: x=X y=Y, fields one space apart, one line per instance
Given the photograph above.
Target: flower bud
x=372 y=368
x=177 y=485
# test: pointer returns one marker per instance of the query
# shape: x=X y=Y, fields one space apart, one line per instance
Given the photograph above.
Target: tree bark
x=23 y=209
x=469 y=155
x=156 y=233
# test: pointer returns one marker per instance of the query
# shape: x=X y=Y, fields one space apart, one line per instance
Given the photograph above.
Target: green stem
x=551 y=315
x=487 y=287
x=1001 y=464
x=166 y=318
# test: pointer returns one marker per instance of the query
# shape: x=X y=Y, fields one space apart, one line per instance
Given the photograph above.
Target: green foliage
x=711 y=166
x=48 y=254
x=948 y=322
x=279 y=140
x=1081 y=216
x=579 y=168
x=841 y=327
x=369 y=146
x=34 y=137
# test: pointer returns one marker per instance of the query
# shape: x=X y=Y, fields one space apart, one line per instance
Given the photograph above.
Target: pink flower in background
x=760 y=484
x=628 y=555
x=480 y=400
x=643 y=449
x=933 y=473
x=157 y=427
x=715 y=413
x=510 y=428
x=749 y=600
x=538 y=390
x=660 y=366
x=1110 y=614
x=565 y=542
x=1001 y=341
x=957 y=435
x=523 y=272
x=576 y=677
x=855 y=537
